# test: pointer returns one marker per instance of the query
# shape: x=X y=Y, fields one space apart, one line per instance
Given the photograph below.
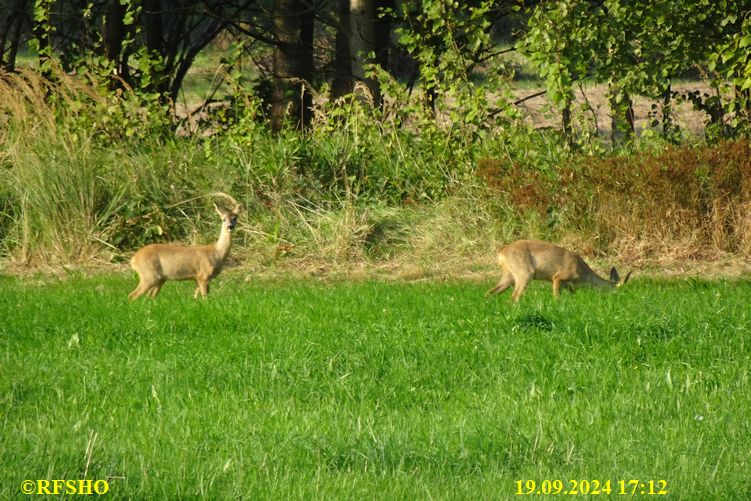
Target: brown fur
x=525 y=260
x=157 y=263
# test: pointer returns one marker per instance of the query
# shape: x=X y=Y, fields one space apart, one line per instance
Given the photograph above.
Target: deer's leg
x=506 y=281
x=140 y=289
x=521 y=286
x=557 y=282
x=202 y=288
x=137 y=292
x=154 y=291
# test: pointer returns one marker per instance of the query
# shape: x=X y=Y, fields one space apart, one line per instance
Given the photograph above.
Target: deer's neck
x=224 y=243
x=598 y=281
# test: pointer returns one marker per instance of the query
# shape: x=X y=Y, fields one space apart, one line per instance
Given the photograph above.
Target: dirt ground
x=591 y=105
x=595 y=97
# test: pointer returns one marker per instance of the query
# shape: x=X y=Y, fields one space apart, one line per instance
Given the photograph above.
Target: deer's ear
x=628 y=275
x=614 y=275
x=219 y=210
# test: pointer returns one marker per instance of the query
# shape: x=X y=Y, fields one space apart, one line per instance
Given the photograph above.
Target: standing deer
x=524 y=260
x=157 y=263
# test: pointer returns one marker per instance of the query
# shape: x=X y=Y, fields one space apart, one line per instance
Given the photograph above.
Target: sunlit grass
x=301 y=389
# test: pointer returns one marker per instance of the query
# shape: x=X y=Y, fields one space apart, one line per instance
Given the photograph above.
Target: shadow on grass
x=535 y=321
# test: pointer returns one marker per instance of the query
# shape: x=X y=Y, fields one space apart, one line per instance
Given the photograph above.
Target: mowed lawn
x=315 y=389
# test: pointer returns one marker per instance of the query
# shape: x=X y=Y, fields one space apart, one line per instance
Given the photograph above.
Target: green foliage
x=445 y=38
x=362 y=183
x=732 y=63
x=387 y=155
x=43 y=30
x=639 y=48
x=557 y=42
x=449 y=40
x=91 y=146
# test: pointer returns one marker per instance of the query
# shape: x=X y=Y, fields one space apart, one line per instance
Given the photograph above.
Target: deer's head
x=229 y=216
x=616 y=280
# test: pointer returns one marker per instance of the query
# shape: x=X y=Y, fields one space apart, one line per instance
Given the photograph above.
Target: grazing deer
x=157 y=263
x=524 y=260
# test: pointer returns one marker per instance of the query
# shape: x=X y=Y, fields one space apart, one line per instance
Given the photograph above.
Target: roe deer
x=157 y=263
x=524 y=260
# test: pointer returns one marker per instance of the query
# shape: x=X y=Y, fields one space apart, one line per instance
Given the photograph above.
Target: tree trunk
x=630 y=120
x=622 y=115
x=362 y=43
x=293 y=63
x=11 y=35
x=566 y=119
x=152 y=26
x=307 y=68
x=113 y=37
x=667 y=112
x=178 y=73
x=153 y=30
x=383 y=33
x=342 y=83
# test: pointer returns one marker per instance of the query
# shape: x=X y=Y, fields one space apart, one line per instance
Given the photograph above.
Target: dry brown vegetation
x=680 y=205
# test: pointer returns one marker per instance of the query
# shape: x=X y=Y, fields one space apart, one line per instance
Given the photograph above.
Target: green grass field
x=305 y=389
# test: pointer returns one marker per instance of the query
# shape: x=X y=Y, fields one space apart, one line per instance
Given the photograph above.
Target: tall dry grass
x=680 y=203
x=49 y=175
x=683 y=203
x=77 y=187
x=73 y=186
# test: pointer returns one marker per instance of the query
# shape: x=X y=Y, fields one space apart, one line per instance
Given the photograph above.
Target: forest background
x=413 y=137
